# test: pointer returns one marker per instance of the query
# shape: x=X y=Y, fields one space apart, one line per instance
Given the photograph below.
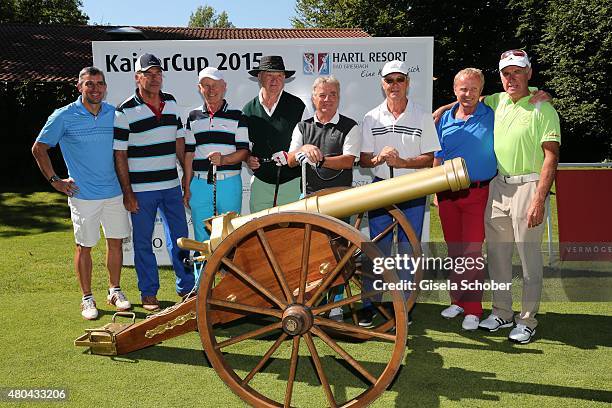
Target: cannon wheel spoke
x=319 y=370
x=295 y=353
x=280 y=277
x=342 y=353
x=253 y=283
x=249 y=335
x=264 y=359
x=239 y=307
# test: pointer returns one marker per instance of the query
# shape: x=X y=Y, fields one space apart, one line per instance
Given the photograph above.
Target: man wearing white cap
x=216 y=138
x=398 y=136
x=526 y=143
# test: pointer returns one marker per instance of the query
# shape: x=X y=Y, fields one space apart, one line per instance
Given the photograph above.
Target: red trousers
x=462 y=217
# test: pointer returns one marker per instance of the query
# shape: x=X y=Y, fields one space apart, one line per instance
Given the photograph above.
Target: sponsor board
x=355 y=62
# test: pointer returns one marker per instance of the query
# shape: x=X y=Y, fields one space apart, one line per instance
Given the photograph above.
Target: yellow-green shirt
x=520 y=129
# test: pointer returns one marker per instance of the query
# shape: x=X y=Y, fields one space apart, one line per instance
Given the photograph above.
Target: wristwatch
x=320 y=164
x=54 y=178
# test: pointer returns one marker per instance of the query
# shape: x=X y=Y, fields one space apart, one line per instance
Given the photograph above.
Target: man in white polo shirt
x=398 y=136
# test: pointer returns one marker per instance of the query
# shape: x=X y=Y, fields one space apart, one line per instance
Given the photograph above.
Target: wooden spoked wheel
x=277 y=269
x=385 y=321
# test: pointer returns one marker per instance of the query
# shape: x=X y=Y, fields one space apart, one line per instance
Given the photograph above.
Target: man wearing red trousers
x=466 y=130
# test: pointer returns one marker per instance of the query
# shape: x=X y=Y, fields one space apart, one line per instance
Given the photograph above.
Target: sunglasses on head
x=398 y=80
x=518 y=53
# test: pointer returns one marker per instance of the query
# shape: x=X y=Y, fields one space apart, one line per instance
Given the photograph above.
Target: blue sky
x=242 y=13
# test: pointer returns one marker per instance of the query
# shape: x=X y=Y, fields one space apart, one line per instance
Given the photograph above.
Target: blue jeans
x=170 y=204
x=379 y=219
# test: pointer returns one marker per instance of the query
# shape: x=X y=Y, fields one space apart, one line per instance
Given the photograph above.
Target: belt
x=203 y=175
x=524 y=178
x=480 y=184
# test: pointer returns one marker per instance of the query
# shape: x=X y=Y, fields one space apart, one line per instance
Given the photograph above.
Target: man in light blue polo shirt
x=84 y=131
x=466 y=130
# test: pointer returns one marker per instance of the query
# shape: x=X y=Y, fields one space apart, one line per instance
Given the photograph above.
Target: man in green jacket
x=272 y=116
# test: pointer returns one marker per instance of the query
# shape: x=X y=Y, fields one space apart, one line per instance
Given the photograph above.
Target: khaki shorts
x=87 y=215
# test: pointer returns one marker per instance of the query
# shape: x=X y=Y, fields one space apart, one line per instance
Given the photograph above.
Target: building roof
x=57 y=52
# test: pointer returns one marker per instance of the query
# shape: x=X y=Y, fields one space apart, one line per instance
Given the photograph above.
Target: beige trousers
x=506 y=225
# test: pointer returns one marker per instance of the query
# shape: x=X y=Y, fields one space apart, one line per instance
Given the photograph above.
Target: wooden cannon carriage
x=269 y=276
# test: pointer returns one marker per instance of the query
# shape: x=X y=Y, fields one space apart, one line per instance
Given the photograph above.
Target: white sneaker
x=88 y=309
x=494 y=323
x=119 y=300
x=451 y=311
x=521 y=334
x=470 y=322
x=336 y=314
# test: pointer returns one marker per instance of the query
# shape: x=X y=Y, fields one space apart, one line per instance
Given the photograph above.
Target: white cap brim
x=516 y=61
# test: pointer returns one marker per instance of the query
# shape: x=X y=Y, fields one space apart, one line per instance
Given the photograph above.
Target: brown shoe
x=150 y=303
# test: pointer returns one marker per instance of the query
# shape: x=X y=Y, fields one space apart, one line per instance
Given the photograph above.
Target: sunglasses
x=517 y=53
x=398 y=80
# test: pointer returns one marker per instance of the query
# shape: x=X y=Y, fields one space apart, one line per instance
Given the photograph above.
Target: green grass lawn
x=569 y=364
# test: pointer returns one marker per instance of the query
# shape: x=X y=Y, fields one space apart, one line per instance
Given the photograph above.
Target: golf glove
x=280 y=158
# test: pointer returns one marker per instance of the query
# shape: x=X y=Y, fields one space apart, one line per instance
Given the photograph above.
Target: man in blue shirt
x=466 y=130
x=84 y=131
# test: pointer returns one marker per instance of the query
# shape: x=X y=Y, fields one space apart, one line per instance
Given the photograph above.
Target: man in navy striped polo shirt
x=148 y=140
x=216 y=135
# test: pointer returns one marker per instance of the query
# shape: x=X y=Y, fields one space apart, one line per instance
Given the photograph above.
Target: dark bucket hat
x=271 y=63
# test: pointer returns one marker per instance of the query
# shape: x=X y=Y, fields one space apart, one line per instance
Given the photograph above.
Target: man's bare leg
x=83 y=267
x=114 y=261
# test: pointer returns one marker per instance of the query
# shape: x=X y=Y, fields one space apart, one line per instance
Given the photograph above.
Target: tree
x=43 y=12
x=570 y=42
x=573 y=49
x=458 y=31
x=206 y=16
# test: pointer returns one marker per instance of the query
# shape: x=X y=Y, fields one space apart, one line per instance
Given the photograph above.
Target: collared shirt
x=270 y=111
x=412 y=134
x=225 y=131
x=86 y=141
x=520 y=130
x=352 y=141
x=150 y=142
x=470 y=138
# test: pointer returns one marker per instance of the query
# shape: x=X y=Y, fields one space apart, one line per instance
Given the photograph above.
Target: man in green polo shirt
x=526 y=143
x=272 y=116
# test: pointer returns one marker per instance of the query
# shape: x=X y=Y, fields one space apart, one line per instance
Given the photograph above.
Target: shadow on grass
x=423 y=380
x=583 y=331
x=167 y=354
x=429 y=381
x=24 y=215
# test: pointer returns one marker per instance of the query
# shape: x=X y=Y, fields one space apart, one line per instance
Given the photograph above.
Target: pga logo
x=320 y=66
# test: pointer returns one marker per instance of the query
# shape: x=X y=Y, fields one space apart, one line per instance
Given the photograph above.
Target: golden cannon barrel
x=452 y=175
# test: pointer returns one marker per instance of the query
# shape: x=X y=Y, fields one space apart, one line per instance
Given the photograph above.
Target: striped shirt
x=412 y=134
x=150 y=142
x=225 y=132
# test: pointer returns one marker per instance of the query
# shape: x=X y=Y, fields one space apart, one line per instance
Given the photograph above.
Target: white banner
x=355 y=62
